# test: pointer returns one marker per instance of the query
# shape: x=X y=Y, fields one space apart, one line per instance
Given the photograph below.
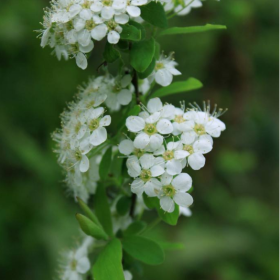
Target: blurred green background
x=233 y=233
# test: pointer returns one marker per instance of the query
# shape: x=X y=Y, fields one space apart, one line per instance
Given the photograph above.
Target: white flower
x=165 y=70
x=150 y=127
x=119 y=92
x=185 y=211
x=181 y=8
x=174 y=190
x=145 y=170
x=175 y=157
x=196 y=151
x=77 y=262
x=131 y=7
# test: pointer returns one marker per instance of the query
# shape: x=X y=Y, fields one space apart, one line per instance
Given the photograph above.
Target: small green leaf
x=88 y=212
x=134 y=111
x=102 y=209
x=131 y=33
x=135 y=228
x=154 y=14
x=105 y=164
x=123 y=205
x=191 y=29
x=109 y=263
x=169 y=218
x=141 y=54
x=150 y=202
x=140 y=27
x=148 y=71
x=143 y=249
x=110 y=53
x=90 y=228
x=177 y=87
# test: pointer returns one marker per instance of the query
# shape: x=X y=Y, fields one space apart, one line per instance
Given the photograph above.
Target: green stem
x=152 y=225
x=173 y=15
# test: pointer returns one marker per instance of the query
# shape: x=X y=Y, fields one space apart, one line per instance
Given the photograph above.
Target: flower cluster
x=72 y=26
x=83 y=129
x=167 y=139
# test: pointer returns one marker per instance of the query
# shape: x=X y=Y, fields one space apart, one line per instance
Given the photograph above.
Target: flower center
x=188 y=148
x=150 y=129
x=169 y=190
x=199 y=129
x=111 y=25
x=90 y=104
x=78 y=127
x=73 y=265
x=90 y=24
x=107 y=2
x=168 y=155
x=146 y=175
x=117 y=88
x=69 y=25
x=78 y=155
x=159 y=66
x=86 y=5
x=93 y=124
x=138 y=152
x=179 y=119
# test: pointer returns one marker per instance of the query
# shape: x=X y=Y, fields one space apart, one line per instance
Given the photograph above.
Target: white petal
x=121 y=19
x=79 y=24
x=133 y=11
x=163 y=77
x=154 y=105
x=88 y=48
x=133 y=166
x=99 y=32
x=127 y=275
x=86 y=14
x=135 y=124
x=126 y=147
x=84 y=38
x=105 y=121
x=45 y=37
x=168 y=112
x=186 y=126
x=83 y=265
x=167 y=204
x=153 y=118
x=84 y=164
x=173 y=167
x=137 y=186
x=98 y=136
x=164 y=126
x=181 y=154
x=150 y=187
x=113 y=37
x=202 y=146
x=183 y=199
x=196 y=161
x=138 y=2
x=172 y=145
x=124 y=97
x=157 y=170
x=166 y=179
x=141 y=141
x=81 y=61
x=96 y=7
x=183 y=182
x=188 y=137
x=96 y=113
x=156 y=141
x=147 y=161
x=107 y=12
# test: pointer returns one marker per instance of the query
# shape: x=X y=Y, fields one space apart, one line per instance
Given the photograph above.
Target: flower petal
x=135 y=124
x=84 y=164
x=147 y=161
x=173 y=167
x=141 y=141
x=167 y=204
x=157 y=170
x=164 y=126
x=183 y=182
x=183 y=199
x=83 y=265
x=98 y=136
x=154 y=105
x=126 y=147
x=196 y=161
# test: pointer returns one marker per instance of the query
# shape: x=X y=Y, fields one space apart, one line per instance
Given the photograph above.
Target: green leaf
x=102 y=209
x=131 y=33
x=143 y=249
x=134 y=111
x=141 y=54
x=150 y=202
x=177 y=87
x=109 y=263
x=169 y=218
x=90 y=228
x=148 y=71
x=123 y=205
x=140 y=27
x=154 y=14
x=88 y=212
x=110 y=53
x=135 y=228
x=105 y=164
x=192 y=29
